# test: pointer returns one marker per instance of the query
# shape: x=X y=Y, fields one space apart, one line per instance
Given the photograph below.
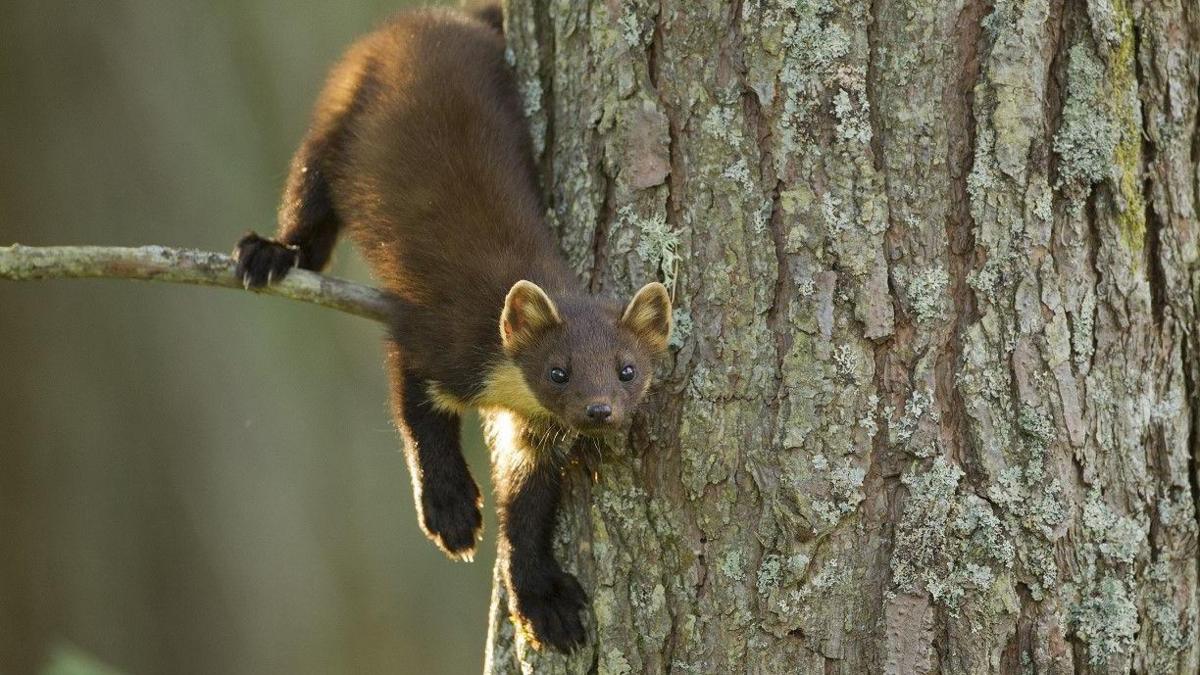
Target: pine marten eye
x=626 y=374
x=559 y=376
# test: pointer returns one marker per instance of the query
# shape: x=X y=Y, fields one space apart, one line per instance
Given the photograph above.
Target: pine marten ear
x=527 y=312
x=648 y=315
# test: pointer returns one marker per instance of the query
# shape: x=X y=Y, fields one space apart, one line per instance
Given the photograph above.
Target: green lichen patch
x=1100 y=138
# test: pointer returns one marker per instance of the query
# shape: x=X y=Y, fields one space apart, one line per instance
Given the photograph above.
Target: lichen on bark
x=934 y=408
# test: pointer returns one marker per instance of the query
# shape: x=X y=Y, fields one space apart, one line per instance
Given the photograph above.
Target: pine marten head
x=588 y=361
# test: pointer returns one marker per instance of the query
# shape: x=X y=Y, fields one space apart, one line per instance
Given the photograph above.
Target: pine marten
x=418 y=147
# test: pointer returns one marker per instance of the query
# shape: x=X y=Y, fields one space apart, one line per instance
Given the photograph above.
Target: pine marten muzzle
x=419 y=150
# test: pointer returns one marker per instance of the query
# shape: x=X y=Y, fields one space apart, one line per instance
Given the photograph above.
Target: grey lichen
x=1116 y=537
x=831 y=575
x=845 y=492
x=1105 y=617
x=811 y=46
x=719 y=123
x=657 y=243
x=849 y=363
x=769 y=574
x=976 y=519
x=781 y=588
x=1175 y=632
x=1106 y=620
x=989 y=279
x=900 y=431
x=733 y=565
x=1083 y=330
x=783 y=112
x=1086 y=140
x=681 y=326
x=1033 y=506
x=947 y=544
x=1100 y=138
x=921 y=534
x=927 y=293
x=854 y=125
x=847 y=483
x=1036 y=504
x=1037 y=426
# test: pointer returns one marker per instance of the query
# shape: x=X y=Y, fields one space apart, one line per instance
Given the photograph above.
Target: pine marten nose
x=598 y=412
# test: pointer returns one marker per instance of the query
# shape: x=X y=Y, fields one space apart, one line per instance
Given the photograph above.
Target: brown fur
x=419 y=150
x=438 y=190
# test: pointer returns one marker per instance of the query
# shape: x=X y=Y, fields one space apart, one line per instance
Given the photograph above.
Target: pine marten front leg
x=447 y=497
x=544 y=600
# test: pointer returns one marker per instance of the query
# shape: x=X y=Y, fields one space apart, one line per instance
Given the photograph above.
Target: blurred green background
x=196 y=480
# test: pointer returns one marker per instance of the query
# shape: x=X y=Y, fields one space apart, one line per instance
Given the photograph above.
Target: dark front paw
x=546 y=610
x=263 y=261
x=451 y=518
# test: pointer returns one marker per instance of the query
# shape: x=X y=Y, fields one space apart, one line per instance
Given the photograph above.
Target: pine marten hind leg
x=308 y=224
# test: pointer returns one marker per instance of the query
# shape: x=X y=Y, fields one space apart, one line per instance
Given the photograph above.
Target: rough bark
x=932 y=401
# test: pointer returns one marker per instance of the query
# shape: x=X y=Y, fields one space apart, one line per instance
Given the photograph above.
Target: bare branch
x=185 y=266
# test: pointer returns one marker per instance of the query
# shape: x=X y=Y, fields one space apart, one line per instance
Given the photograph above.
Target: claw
x=246 y=281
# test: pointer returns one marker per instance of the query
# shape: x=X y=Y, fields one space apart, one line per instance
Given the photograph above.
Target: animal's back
x=434 y=178
x=435 y=170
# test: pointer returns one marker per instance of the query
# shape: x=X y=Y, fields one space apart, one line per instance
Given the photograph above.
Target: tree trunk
x=931 y=404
